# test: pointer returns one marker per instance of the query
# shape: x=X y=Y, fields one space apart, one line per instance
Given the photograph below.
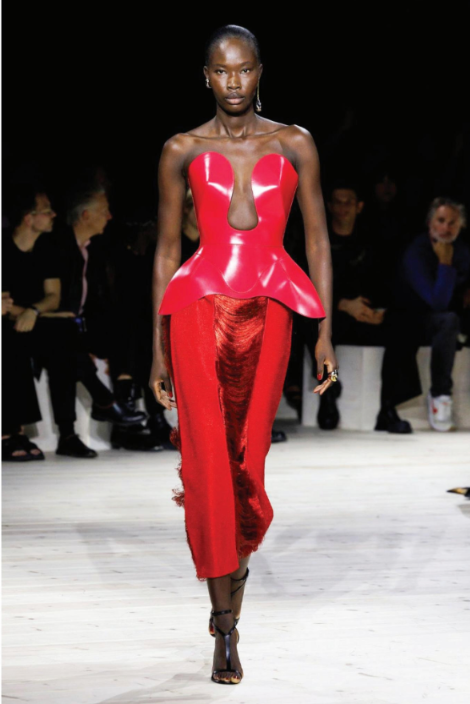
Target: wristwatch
x=36 y=310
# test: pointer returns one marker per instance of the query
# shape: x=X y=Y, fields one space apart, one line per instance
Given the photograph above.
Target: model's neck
x=24 y=237
x=236 y=126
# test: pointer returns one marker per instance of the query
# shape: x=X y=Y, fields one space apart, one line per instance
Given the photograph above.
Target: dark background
x=100 y=84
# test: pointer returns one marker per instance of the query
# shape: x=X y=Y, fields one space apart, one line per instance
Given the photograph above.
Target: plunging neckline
x=257 y=163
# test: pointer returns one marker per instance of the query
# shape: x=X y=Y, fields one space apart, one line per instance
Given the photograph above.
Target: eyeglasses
x=48 y=211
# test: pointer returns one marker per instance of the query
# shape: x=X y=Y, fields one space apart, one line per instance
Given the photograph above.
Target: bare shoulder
x=299 y=140
x=176 y=148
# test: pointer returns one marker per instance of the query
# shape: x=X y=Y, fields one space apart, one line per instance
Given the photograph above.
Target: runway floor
x=360 y=592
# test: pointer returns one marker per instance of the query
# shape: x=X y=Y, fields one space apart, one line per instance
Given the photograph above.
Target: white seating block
x=358 y=405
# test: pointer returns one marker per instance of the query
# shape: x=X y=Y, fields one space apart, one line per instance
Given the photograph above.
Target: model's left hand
x=324 y=355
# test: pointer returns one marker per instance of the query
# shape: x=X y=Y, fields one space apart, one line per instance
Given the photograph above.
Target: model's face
x=97 y=214
x=344 y=205
x=445 y=224
x=233 y=74
x=42 y=217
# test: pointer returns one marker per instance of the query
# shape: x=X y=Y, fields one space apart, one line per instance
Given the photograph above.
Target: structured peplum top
x=242 y=263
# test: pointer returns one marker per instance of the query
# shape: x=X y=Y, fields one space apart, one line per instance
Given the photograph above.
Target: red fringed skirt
x=227 y=359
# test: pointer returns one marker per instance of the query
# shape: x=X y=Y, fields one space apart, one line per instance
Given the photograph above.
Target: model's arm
x=317 y=242
x=172 y=189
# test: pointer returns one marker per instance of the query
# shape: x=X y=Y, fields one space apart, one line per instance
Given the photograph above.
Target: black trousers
x=132 y=354
x=408 y=332
x=19 y=400
x=51 y=344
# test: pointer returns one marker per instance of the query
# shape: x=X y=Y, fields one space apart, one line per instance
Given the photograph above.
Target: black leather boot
x=126 y=392
x=72 y=446
x=278 y=436
x=388 y=419
x=161 y=429
x=328 y=414
x=137 y=438
x=116 y=413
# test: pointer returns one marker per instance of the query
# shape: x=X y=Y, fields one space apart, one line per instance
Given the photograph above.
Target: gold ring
x=333 y=375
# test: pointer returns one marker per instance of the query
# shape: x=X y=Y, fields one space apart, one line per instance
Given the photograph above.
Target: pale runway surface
x=360 y=592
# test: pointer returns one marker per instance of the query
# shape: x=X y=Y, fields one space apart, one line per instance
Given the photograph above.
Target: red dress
x=227 y=334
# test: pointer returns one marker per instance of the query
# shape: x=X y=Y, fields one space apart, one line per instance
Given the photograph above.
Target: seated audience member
x=431 y=295
x=19 y=399
x=132 y=288
x=130 y=256
x=87 y=216
x=31 y=278
x=356 y=320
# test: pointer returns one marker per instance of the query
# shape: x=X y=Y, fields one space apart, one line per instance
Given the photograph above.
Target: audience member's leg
x=442 y=330
x=54 y=344
x=400 y=374
x=105 y=406
x=19 y=400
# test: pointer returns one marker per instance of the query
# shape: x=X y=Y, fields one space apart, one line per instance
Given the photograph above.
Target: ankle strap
x=245 y=576
x=219 y=613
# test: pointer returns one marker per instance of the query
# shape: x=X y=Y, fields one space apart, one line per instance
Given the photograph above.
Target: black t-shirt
x=349 y=259
x=24 y=273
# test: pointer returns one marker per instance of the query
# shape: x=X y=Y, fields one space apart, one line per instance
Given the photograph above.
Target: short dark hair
x=23 y=200
x=231 y=31
x=344 y=184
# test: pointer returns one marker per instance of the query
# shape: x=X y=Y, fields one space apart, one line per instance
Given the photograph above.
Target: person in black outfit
x=31 y=279
x=130 y=257
x=83 y=278
x=358 y=312
x=360 y=301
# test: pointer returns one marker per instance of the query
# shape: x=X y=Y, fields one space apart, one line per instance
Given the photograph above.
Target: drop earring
x=258 y=101
x=208 y=85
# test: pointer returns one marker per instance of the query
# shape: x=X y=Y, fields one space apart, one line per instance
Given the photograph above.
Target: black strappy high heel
x=226 y=636
x=239 y=579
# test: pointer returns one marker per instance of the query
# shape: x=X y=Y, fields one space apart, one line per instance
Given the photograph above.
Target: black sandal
x=226 y=636
x=239 y=579
x=27 y=445
x=11 y=445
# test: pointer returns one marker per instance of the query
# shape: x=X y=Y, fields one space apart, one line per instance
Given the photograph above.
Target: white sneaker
x=440 y=412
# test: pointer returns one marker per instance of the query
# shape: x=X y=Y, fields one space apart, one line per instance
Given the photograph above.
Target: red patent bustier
x=242 y=263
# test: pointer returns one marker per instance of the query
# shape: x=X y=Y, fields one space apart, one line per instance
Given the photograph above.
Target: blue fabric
x=425 y=284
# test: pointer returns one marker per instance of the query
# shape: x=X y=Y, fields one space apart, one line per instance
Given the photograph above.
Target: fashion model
x=223 y=320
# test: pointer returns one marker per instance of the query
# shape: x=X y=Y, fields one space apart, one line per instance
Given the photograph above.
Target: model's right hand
x=159 y=372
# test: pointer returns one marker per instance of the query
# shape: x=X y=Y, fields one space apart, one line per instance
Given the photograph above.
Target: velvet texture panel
x=227 y=358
